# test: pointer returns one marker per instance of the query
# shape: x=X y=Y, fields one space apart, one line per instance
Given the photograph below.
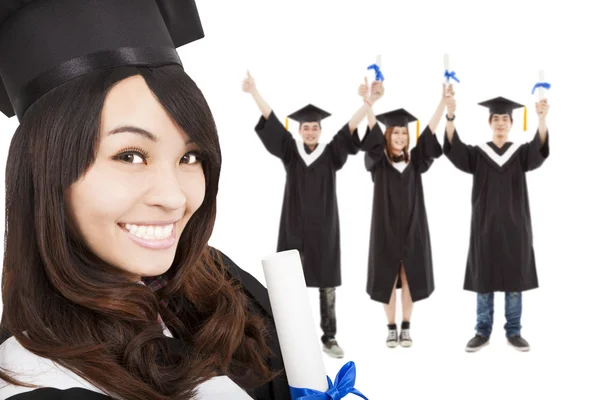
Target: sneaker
x=392 y=339
x=477 y=343
x=332 y=348
x=405 y=340
x=518 y=343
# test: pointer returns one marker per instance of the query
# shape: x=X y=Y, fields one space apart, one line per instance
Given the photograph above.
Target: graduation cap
x=501 y=106
x=399 y=117
x=309 y=113
x=45 y=43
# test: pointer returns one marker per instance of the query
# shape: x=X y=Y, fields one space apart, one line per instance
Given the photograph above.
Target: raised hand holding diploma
x=302 y=358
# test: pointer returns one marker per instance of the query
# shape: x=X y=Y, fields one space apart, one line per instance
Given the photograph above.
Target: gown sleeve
x=460 y=154
x=343 y=144
x=278 y=388
x=276 y=139
x=373 y=144
x=534 y=153
x=427 y=149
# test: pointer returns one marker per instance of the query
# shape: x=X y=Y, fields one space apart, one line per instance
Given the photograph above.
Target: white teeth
x=151 y=232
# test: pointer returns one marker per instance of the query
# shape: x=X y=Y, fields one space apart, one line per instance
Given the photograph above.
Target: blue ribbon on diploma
x=451 y=75
x=378 y=74
x=344 y=385
x=544 y=85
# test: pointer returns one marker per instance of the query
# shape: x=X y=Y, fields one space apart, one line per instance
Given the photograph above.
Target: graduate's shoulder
x=48 y=393
x=51 y=380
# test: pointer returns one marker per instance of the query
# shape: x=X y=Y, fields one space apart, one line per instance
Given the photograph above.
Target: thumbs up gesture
x=248 y=85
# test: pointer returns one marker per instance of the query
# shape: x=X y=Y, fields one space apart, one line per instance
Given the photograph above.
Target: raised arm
x=461 y=155
x=450 y=108
x=276 y=139
x=249 y=86
x=342 y=145
x=428 y=148
x=535 y=152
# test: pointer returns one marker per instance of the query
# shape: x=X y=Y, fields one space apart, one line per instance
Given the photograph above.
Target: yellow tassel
x=418 y=129
x=525 y=119
x=286 y=124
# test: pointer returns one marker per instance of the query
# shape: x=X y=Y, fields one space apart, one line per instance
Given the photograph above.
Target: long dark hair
x=88 y=316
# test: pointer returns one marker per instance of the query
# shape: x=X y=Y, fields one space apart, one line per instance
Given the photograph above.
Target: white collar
x=312 y=157
x=497 y=158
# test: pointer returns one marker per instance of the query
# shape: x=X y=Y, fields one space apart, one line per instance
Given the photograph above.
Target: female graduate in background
x=111 y=181
x=400 y=249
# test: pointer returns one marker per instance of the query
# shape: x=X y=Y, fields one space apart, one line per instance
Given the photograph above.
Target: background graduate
x=400 y=247
x=309 y=218
x=111 y=181
x=501 y=256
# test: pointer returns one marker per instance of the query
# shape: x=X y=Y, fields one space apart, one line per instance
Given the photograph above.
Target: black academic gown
x=399 y=228
x=501 y=256
x=309 y=217
x=277 y=389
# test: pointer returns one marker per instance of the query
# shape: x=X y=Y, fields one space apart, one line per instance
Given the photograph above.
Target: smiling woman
x=112 y=178
x=143 y=187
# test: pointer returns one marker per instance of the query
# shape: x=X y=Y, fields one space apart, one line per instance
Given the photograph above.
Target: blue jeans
x=513 y=307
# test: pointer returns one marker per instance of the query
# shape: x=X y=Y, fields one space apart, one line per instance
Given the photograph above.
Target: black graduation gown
x=501 y=256
x=309 y=217
x=277 y=389
x=399 y=228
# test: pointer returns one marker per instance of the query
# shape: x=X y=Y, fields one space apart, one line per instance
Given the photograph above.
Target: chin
x=149 y=266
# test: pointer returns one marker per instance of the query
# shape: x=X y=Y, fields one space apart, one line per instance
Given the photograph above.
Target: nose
x=165 y=189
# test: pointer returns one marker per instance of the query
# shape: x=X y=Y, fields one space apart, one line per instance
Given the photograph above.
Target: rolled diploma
x=541 y=90
x=447 y=65
x=378 y=61
x=299 y=344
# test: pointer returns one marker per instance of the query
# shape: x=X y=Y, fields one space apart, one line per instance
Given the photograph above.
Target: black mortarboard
x=399 y=117
x=309 y=113
x=45 y=43
x=500 y=105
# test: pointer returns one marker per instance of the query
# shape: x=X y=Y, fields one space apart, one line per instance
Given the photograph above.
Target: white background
x=317 y=52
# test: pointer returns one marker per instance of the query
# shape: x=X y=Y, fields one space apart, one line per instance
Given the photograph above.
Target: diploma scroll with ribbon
x=541 y=85
x=295 y=327
x=377 y=68
x=447 y=74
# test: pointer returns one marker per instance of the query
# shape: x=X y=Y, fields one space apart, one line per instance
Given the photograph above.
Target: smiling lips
x=151 y=236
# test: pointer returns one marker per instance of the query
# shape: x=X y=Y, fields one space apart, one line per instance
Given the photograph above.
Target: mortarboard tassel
x=525 y=119
x=418 y=129
x=286 y=124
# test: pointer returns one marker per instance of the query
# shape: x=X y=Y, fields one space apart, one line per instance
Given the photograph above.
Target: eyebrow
x=139 y=131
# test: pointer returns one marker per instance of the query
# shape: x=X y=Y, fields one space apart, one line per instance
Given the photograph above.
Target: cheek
x=193 y=186
x=102 y=196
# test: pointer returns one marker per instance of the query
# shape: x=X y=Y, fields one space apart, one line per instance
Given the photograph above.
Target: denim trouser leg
x=485 y=314
x=328 y=321
x=513 y=307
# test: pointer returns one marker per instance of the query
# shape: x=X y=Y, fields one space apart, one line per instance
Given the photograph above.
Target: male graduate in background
x=309 y=218
x=501 y=256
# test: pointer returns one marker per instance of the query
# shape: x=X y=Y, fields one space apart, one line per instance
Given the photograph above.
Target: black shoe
x=518 y=343
x=477 y=343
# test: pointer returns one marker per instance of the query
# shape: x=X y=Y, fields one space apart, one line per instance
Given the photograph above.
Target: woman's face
x=133 y=203
x=399 y=138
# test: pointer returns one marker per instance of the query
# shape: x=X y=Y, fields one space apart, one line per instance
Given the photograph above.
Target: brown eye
x=132 y=157
x=191 y=158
